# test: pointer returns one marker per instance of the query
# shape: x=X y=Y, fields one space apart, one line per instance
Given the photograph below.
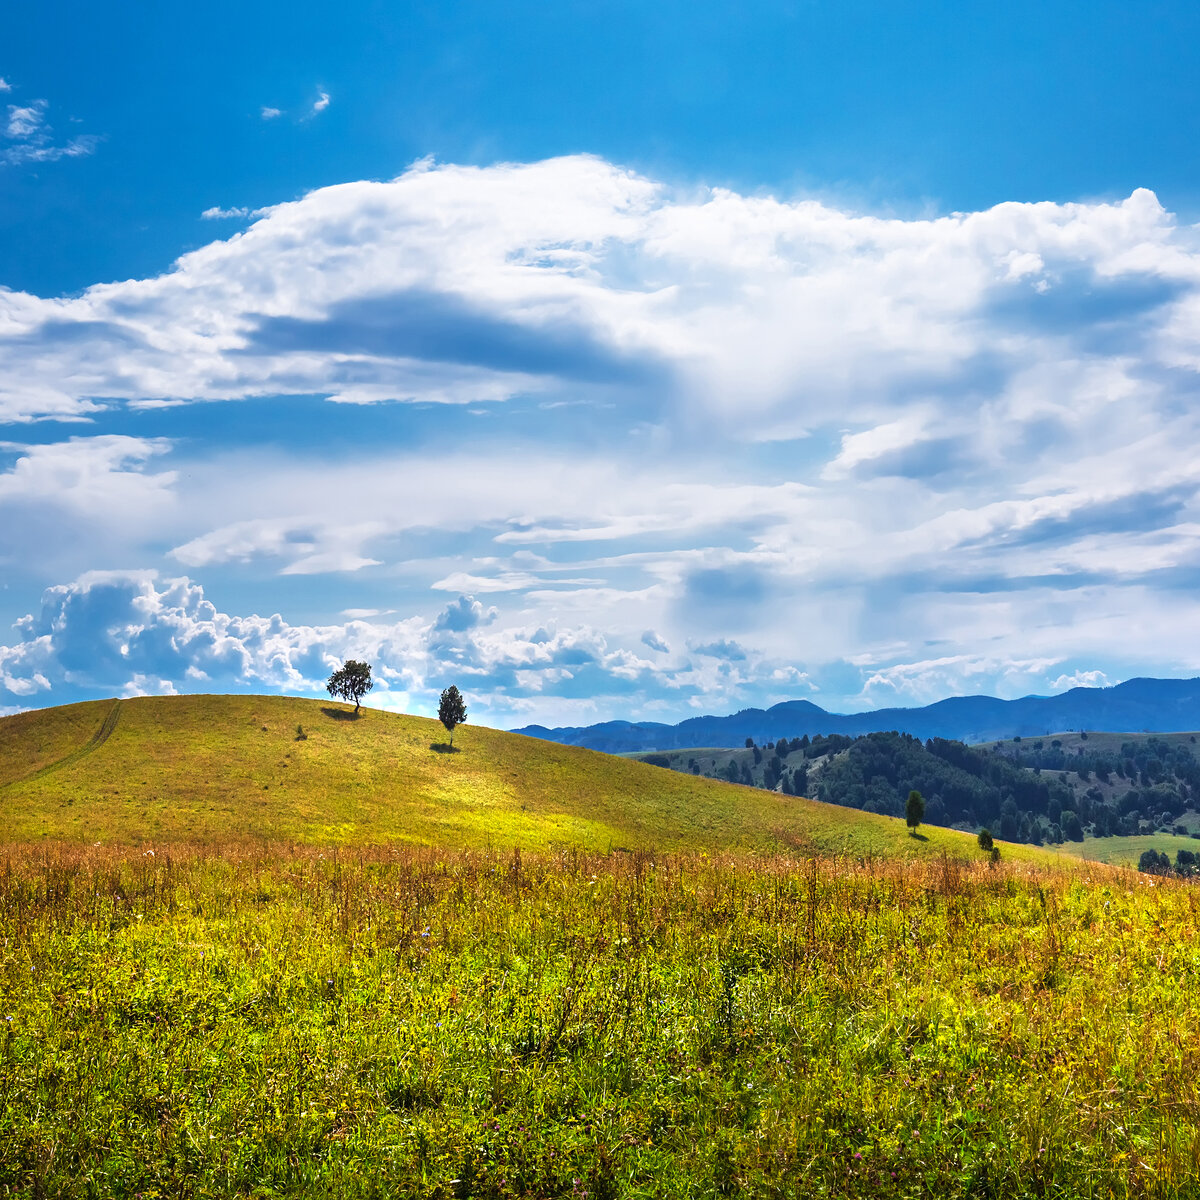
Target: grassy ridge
x=200 y=769
x=422 y=1023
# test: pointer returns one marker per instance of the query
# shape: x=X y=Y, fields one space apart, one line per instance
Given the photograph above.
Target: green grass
x=355 y=965
x=200 y=769
x=418 y=1023
x=1125 y=851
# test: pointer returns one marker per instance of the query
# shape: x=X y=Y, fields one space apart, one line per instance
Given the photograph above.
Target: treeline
x=1148 y=784
x=961 y=786
x=1142 y=764
x=1036 y=792
x=1156 y=862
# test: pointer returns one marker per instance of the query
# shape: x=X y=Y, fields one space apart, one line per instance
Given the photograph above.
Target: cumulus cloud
x=887 y=459
x=455 y=284
x=269 y=114
x=94 y=475
x=115 y=631
x=5 y=86
x=321 y=103
x=130 y=633
x=465 y=613
x=1076 y=679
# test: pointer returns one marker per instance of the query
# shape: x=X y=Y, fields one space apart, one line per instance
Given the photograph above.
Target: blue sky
x=606 y=360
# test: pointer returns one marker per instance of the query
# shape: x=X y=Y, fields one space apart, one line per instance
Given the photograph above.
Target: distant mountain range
x=1136 y=706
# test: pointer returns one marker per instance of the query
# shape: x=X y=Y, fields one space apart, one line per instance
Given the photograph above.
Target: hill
x=222 y=768
x=1038 y=790
x=1143 y=705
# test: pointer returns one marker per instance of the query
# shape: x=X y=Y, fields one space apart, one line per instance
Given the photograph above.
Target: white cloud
x=905 y=456
x=269 y=114
x=124 y=632
x=465 y=613
x=32 y=138
x=321 y=103
x=307 y=547
x=1087 y=679
x=25 y=121
x=94 y=476
x=458 y=284
x=5 y=86
x=216 y=213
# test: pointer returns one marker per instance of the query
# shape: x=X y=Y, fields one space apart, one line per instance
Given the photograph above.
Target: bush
x=1154 y=862
x=985 y=840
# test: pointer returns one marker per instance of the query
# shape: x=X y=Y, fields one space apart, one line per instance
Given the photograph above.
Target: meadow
x=163 y=770
x=404 y=1021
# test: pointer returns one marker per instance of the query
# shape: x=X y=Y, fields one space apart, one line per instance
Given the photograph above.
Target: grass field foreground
x=408 y=1022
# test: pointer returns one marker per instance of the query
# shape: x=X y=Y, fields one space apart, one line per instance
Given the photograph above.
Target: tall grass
x=422 y=1023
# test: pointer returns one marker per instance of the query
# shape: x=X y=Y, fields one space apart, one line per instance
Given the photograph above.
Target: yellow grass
x=210 y=768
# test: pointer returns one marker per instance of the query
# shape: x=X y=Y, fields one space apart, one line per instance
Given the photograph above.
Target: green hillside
x=227 y=768
x=1125 y=851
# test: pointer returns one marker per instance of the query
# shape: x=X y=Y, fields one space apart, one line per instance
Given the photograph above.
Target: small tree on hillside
x=452 y=712
x=351 y=682
x=914 y=810
x=985 y=840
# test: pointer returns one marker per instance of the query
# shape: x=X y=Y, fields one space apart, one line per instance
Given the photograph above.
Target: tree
x=452 y=712
x=914 y=810
x=351 y=682
x=985 y=840
x=1154 y=862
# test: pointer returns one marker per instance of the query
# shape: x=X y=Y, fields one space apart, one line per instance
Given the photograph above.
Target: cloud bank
x=727 y=448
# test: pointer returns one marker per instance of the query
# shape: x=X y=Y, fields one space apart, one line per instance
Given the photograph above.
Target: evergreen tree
x=914 y=810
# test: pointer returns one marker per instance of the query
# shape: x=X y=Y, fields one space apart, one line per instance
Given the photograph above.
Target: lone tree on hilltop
x=452 y=712
x=351 y=681
x=914 y=811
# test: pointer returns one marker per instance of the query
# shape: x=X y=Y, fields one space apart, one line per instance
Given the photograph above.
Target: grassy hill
x=1125 y=851
x=221 y=768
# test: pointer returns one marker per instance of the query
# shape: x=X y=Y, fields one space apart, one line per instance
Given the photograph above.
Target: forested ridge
x=1047 y=790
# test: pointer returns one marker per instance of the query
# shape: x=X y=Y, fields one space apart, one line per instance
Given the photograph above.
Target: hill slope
x=1137 y=705
x=205 y=768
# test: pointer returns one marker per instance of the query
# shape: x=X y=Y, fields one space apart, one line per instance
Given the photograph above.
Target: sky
x=607 y=360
